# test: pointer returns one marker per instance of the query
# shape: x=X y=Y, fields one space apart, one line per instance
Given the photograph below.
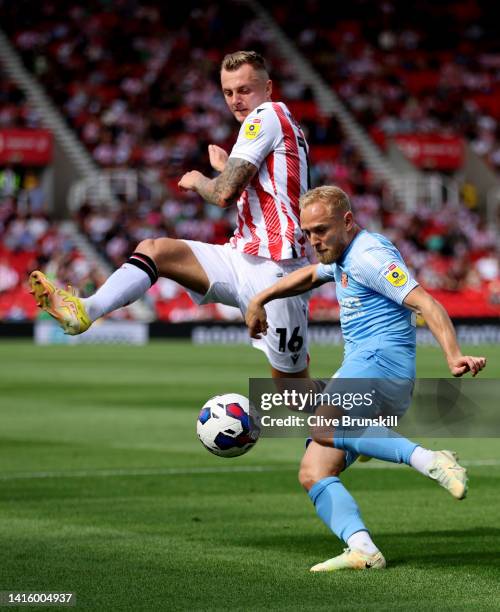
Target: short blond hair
x=336 y=200
x=233 y=61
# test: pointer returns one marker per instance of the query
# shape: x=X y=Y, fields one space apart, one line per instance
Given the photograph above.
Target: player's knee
x=159 y=249
x=310 y=474
x=146 y=247
x=149 y=247
x=306 y=477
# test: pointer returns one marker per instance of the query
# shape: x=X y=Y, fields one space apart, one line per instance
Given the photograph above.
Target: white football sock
x=362 y=541
x=124 y=286
x=421 y=458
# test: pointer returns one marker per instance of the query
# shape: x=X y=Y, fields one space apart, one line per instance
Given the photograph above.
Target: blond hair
x=336 y=200
x=233 y=61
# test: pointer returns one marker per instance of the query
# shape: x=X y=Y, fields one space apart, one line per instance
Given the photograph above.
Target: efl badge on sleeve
x=344 y=280
x=395 y=275
x=252 y=128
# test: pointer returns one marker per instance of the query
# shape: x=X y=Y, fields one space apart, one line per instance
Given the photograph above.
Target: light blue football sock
x=336 y=507
x=378 y=442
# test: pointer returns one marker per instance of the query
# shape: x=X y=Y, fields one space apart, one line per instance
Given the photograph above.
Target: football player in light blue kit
x=378 y=300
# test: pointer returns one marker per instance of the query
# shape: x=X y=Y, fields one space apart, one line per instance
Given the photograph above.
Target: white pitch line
x=383 y=465
x=144 y=472
x=378 y=465
x=480 y=462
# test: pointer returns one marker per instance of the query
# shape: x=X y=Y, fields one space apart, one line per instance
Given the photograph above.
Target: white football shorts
x=236 y=277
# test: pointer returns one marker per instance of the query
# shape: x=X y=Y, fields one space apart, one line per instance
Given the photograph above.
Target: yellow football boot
x=61 y=304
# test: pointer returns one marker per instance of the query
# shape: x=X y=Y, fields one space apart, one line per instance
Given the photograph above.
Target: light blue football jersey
x=372 y=281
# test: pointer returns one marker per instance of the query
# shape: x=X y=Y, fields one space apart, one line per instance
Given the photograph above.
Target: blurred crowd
x=139 y=85
x=140 y=82
x=29 y=240
x=15 y=112
x=433 y=68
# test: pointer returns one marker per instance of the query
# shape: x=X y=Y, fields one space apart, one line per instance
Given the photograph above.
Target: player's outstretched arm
x=442 y=329
x=226 y=188
x=297 y=282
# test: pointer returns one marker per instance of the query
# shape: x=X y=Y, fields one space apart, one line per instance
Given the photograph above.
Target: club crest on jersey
x=395 y=275
x=344 y=281
x=252 y=129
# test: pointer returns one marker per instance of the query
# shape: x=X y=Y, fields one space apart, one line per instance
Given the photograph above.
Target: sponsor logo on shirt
x=252 y=129
x=351 y=308
x=395 y=275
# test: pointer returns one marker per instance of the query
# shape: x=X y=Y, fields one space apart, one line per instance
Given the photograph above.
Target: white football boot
x=449 y=474
x=351 y=559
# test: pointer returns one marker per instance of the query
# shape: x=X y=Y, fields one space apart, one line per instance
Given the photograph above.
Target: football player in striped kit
x=378 y=300
x=264 y=176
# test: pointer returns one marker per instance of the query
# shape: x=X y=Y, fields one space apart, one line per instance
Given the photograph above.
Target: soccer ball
x=227 y=426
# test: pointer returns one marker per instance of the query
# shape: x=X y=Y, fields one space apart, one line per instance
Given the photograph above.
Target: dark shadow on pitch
x=426 y=548
x=458 y=548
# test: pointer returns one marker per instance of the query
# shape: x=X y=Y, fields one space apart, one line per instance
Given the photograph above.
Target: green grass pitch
x=106 y=491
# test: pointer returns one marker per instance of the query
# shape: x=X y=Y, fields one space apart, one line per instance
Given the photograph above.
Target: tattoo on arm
x=234 y=178
x=229 y=185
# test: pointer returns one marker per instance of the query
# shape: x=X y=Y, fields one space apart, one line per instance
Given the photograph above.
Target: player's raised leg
x=152 y=258
x=387 y=445
x=319 y=475
x=394 y=397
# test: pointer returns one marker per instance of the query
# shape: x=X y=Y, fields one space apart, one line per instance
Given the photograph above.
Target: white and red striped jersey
x=268 y=209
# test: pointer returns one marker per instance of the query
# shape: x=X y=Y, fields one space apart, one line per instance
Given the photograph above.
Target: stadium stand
x=28 y=237
x=397 y=71
x=14 y=110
